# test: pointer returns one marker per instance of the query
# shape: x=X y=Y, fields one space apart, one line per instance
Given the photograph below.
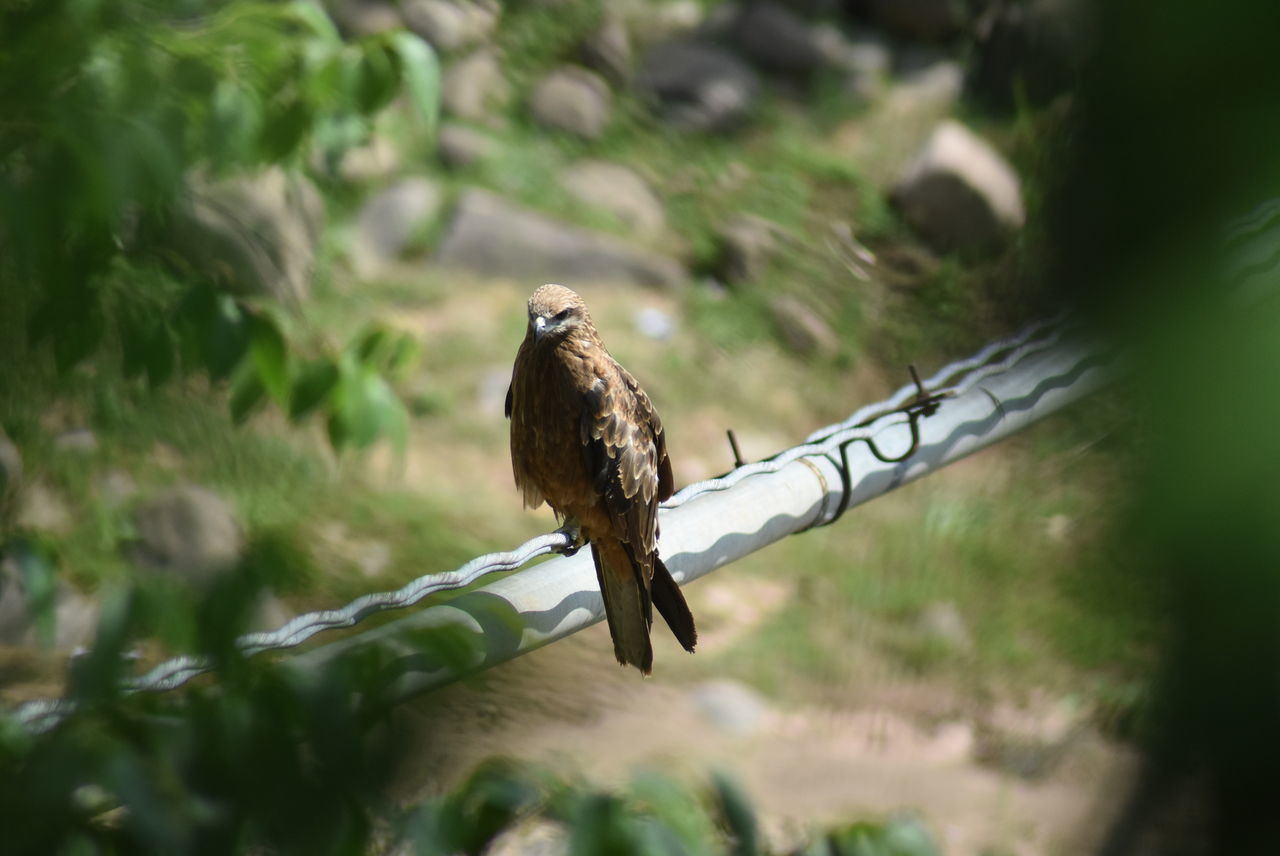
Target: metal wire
x=864 y=424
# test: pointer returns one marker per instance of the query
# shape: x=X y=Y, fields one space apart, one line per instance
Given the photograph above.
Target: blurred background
x=262 y=277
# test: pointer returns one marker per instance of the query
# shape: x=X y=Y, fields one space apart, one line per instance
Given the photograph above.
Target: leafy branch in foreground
x=110 y=110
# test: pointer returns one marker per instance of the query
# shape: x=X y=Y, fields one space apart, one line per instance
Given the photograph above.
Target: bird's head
x=555 y=312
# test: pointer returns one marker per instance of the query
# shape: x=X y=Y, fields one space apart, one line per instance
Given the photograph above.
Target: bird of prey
x=585 y=438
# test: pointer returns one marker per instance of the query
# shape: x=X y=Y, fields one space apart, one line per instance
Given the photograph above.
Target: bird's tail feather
x=627 y=604
x=671 y=606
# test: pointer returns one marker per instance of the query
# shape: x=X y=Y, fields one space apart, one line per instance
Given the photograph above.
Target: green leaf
x=270 y=356
x=235 y=121
x=247 y=394
x=365 y=408
x=285 y=128
x=226 y=337
x=370 y=344
x=420 y=71
x=313 y=385
x=378 y=77
x=315 y=19
x=404 y=355
x=739 y=818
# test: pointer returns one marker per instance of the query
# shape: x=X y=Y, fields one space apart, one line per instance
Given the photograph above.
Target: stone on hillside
x=493 y=237
x=958 y=192
x=375 y=160
x=450 y=25
x=619 y=191
x=607 y=50
x=254 y=234
x=114 y=488
x=188 y=532
x=460 y=146
x=941 y=622
x=803 y=330
x=43 y=509
x=572 y=99
x=389 y=221
x=748 y=244
x=75 y=616
x=777 y=39
x=475 y=87
x=80 y=440
x=10 y=467
x=1033 y=49
x=365 y=17
x=654 y=324
x=697 y=86
x=731 y=707
x=918 y=20
x=654 y=20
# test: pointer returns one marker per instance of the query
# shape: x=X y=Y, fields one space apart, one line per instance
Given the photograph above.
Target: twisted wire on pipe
x=864 y=423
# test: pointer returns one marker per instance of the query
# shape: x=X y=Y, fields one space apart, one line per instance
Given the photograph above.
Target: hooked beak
x=539 y=327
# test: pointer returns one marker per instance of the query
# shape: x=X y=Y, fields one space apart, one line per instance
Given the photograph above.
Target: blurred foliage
x=108 y=109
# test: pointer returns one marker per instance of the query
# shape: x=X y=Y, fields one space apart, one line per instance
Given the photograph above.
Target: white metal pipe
x=546 y=602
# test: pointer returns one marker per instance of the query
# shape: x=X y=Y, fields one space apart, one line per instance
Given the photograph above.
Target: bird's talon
x=574 y=534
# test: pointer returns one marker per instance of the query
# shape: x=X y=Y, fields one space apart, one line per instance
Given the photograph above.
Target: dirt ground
x=987 y=777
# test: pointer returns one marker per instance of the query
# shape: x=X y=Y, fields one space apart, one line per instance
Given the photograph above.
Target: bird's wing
x=626 y=455
x=520 y=442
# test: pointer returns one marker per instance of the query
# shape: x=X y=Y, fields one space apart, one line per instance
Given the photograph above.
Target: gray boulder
x=389 y=221
x=365 y=17
x=42 y=508
x=940 y=622
x=253 y=234
x=460 y=146
x=958 y=192
x=373 y=161
x=697 y=86
x=572 y=99
x=619 y=191
x=450 y=25
x=188 y=532
x=918 y=20
x=731 y=707
x=10 y=468
x=778 y=40
x=748 y=244
x=607 y=50
x=492 y=237
x=475 y=87
x=75 y=616
x=802 y=329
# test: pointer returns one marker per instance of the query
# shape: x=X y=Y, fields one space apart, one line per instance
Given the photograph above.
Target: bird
x=586 y=439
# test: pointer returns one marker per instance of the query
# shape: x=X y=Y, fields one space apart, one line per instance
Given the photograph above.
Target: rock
x=651 y=21
x=375 y=160
x=75 y=616
x=365 y=17
x=572 y=99
x=475 y=87
x=607 y=50
x=778 y=40
x=619 y=191
x=490 y=236
x=532 y=836
x=942 y=622
x=864 y=59
x=450 y=25
x=114 y=488
x=389 y=221
x=79 y=440
x=748 y=244
x=802 y=329
x=188 y=532
x=958 y=192
x=928 y=81
x=918 y=20
x=654 y=324
x=10 y=467
x=731 y=707
x=1033 y=49
x=42 y=508
x=697 y=86
x=253 y=234
x=461 y=146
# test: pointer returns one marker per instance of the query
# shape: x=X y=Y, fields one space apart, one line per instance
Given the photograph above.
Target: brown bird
x=585 y=438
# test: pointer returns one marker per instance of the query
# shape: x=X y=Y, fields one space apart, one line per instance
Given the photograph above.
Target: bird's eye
x=563 y=314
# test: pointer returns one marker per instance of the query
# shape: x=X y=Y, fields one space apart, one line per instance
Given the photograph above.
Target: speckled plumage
x=586 y=440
